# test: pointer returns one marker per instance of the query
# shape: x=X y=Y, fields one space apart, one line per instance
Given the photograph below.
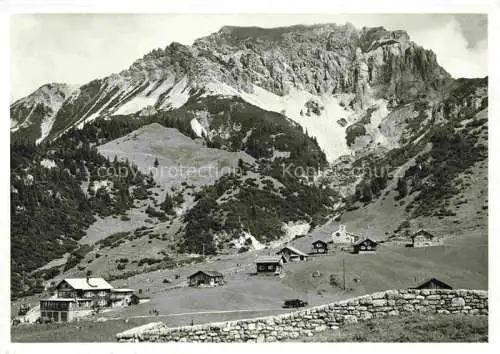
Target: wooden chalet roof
x=433 y=280
x=210 y=273
x=293 y=250
x=422 y=232
x=320 y=241
x=368 y=239
x=268 y=259
x=87 y=283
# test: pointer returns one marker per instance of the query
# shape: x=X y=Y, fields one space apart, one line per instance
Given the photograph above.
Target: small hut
x=423 y=238
x=291 y=254
x=206 y=278
x=320 y=246
x=433 y=283
x=269 y=264
x=365 y=246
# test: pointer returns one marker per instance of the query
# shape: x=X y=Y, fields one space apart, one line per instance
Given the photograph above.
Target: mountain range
x=327 y=99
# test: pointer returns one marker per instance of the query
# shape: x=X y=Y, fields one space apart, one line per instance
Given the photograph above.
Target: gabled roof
x=293 y=249
x=433 y=280
x=210 y=273
x=87 y=283
x=422 y=232
x=365 y=239
x=268 y=259
x=320 y=241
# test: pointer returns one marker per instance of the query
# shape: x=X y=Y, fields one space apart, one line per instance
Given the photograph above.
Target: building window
x=338 y=234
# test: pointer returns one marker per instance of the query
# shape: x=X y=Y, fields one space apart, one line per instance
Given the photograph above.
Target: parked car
x=294 y=303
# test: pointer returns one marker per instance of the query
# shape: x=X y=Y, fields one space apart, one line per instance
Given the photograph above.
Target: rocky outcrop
x=322 y=60
x=318 y=319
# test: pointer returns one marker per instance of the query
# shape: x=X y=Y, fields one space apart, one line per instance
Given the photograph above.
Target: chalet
x=364 y=246
x=269 y=264
x=423 y=238
x=342 y=236
x=433 y=283
x=78 y=297
x=320 y=246
x=291 y=254
x=206 y=278
x=96 y=289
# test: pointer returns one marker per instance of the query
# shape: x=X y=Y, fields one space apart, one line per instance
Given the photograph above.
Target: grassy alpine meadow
x=413 y=328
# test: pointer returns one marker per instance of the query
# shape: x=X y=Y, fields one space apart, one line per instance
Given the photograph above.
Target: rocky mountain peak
x=321 y=60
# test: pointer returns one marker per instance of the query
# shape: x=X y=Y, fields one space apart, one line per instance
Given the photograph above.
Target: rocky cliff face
x=35 y=114
x=320 y=60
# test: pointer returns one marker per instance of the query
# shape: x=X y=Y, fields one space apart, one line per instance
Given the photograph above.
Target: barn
x=320 y=246
x=206 y=278
x=291 y=254
x=433 y=283
x=269 y=264
x=365 y=246
x=423 y=238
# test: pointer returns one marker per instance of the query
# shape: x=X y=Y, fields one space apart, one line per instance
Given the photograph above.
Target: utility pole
x=203 y=249
x=343 y=271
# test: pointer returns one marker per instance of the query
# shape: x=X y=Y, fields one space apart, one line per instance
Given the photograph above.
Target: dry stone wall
x=318 y=319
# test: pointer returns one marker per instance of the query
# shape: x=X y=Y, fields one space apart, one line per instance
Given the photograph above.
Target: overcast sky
x=78 y=48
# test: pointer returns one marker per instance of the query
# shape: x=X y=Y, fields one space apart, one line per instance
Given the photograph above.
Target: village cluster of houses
x=78 y=297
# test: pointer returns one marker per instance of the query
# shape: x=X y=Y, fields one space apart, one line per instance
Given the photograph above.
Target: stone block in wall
x=366 y=300
x=379 y=295
x=320 y=328
x=365 y=316
x=458 y=302
x=408 y=308
x=379 y=302
x=350 y=319
x=408 y=296
x=391 y=294
x=433 y=297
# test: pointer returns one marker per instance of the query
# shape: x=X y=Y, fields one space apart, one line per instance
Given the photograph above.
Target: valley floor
x=462 y=262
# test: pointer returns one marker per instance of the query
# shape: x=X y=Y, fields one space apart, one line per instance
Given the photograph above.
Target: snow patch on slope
x=291 y=230
x=329 y=135
x=48 y=120
x=149 y=97
x=178 y=96
x=198 y=129
x=241 y=241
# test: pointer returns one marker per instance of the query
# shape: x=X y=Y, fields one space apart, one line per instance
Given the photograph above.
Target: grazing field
x=105 y=331
x=462 y=262
x=85 y=331
x=413 y=328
